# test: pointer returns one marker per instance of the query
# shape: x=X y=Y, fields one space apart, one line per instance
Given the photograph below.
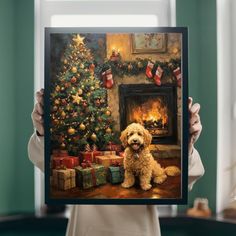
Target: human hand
x=37 y=114
x=195 y=126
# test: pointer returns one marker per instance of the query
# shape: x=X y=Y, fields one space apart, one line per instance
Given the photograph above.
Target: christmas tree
x=80 y=115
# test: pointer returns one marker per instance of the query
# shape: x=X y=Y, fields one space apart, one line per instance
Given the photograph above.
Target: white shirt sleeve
x=36 y=151
x=195 y=168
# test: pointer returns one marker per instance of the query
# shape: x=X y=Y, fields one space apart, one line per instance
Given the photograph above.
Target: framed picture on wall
x=116 y=124
x=148 y=42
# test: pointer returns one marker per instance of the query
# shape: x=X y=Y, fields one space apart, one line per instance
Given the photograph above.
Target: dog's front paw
x=160 y=179
x=146 y=186
x=127 y=184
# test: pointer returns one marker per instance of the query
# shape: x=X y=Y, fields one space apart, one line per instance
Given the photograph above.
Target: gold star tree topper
x=78 y=39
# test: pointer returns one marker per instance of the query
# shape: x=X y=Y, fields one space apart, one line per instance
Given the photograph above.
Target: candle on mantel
x=115 y=55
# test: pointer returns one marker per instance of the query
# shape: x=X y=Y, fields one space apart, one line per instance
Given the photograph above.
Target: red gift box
x=89 y=156
x=69 y=162
x=114 y=147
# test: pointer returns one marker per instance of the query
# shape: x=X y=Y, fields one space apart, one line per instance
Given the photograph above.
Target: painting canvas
x=116 y=122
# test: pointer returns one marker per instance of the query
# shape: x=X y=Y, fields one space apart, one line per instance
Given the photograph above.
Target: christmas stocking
x=178 y=75
x=158 y=75
x=149 y=69
x=108 y=79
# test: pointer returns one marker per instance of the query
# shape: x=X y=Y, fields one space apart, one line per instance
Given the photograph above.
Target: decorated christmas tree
x=80 y=115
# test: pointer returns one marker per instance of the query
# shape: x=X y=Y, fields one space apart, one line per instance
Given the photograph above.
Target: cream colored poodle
x=138 y=161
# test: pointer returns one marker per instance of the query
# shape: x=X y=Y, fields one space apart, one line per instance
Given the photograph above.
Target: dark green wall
x=200 y=17
x=8 y=113
x=16 y=94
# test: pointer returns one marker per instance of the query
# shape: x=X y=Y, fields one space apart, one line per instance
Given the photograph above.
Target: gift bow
x=86 y=164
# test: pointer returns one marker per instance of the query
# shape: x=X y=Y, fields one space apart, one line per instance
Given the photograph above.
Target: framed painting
x=116 y=125
x=148 y=42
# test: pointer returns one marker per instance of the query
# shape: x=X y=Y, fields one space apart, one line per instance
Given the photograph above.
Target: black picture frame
x=184 y=122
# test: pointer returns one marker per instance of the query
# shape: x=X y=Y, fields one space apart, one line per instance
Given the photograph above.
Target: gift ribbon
x=93 y=177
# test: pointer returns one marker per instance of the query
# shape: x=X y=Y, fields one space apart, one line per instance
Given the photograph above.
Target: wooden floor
x=171 y=188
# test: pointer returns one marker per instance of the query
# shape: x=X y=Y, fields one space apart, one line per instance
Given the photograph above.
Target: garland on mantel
x=153 y=70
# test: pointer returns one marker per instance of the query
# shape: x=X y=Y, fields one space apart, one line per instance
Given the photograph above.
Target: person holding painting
x=115 y=220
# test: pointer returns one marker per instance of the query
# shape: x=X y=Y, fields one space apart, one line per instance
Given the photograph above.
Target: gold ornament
x=63 y=114
x=82 y=66
x=140 y=65
x=71 y=131
x=56 y=102
x=78 y=39
x=65 y=61
x=76 y=98
x=94 y=137
x=82 y=126
x=88 y=94
x=108 y=113
x=130 y=67
x=54 y=108
x=92 y=88
x=57 y=88
x=108 y=130
x=63 y=145
x=74 y=69
x=80 y=91
x=96 y=129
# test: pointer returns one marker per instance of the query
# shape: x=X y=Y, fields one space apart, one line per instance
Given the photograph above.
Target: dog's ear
x=147 y=138
x=123 y=138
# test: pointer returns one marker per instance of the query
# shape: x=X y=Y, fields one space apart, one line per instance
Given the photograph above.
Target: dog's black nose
x=135 y=140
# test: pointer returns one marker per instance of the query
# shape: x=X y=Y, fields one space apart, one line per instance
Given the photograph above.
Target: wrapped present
x=87 y=177
x=59 y=153
x=89 y=155
x=122 y=154
x=114 y=147
x=115 y=174
x=106 y=153
x=108 y=160
x=68 y=162
x=63 y=179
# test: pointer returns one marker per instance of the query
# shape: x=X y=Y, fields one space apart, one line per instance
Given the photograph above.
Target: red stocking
x=108 y=79
x=178 y=76
x=158 y=75
x=149 y=69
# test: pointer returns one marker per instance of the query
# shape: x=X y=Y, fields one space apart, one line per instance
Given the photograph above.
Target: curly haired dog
x=138 y=161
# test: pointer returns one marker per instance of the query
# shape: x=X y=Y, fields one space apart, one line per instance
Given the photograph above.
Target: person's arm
x=195 y=166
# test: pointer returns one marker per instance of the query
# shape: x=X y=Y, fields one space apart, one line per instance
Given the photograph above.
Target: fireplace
x=152 y=106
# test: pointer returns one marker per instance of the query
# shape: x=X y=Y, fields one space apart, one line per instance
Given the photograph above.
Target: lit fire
x=153 y=114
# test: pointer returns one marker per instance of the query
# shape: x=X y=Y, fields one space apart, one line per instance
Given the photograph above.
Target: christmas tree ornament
x=92 y=88
x=63 y=101
x=108 y=113
x=78 y=40
x=130 y=67
x=91 y=68
x=62 y=89
x=82 y=66
x=73 y=80
x=58 y=88
x=65 y=62
x=76 y=98
x=54 y=108
x=108 y=130
x=97 y=102
x=56 y=102
x=149 y=69
x=63 y=145
x=88 y=94
x=158 y=75
x=140 y=65
x=82 y=126
x=108 y=81
x=80 y=91
x=74 y=69
x=96 y=129
x=63 y=114
x=71 y=131
x=93 y=137
x=178 y=76
x=78 y=75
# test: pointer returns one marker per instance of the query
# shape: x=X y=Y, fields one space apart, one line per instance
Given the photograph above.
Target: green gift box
x=115 y=174
x=90 y=176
